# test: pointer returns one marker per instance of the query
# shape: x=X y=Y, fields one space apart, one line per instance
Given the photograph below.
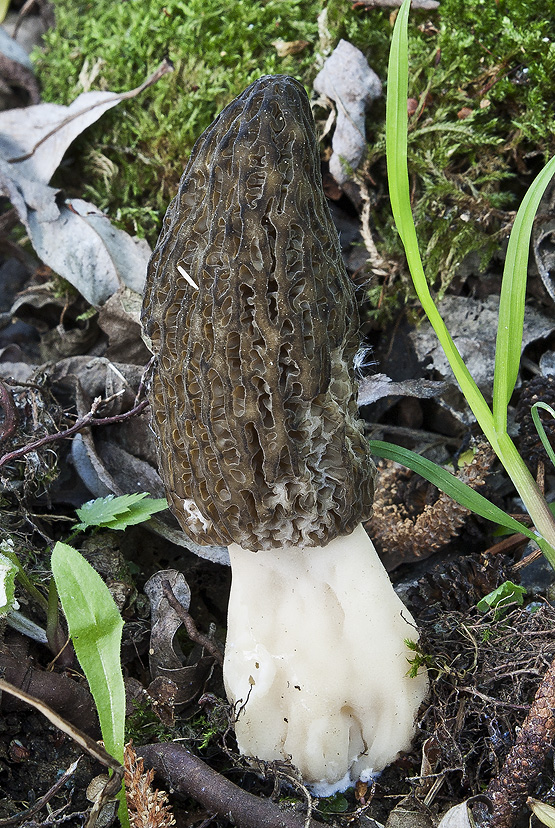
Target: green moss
x=485 y=88
x=133 y=158
x=144 y=726
x=491 y=60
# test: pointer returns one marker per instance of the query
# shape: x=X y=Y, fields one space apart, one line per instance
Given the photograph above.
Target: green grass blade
x=513 y=294
x=399 y=193
x=451 y=485
x=541 y=430
x=396 y=132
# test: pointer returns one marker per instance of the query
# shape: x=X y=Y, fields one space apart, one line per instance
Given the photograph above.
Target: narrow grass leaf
x=451 y=485
x=399 y=193
x=541 y=430
x=512 y=298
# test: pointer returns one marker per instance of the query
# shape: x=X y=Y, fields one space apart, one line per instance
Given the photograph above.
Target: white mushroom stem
x=316 y=660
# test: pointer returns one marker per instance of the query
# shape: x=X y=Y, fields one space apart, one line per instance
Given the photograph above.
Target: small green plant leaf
x=506 y=593
x=451 y=485
x=541 y=430
x=8 y=571
x=545 y=813
x=119 y=512
x=336 y=804
x=95 y=628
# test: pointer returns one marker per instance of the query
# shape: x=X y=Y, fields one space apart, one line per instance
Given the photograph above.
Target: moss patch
x=482 y=76
x=133 y=158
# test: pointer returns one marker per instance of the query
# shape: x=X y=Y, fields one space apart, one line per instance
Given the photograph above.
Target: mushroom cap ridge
x=254 y=323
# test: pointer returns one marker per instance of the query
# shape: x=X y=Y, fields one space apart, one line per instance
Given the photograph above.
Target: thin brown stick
x=79 y=425
x=189 y=775
x=192 y=630
x=10 y=412
x=508 y=792
x=509 y=544
x=93 y=748
x=84 y=741
x=523 y=708
x=44 y=800
x=165 y=67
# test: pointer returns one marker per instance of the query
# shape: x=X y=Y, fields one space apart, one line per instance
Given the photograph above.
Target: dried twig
x=526 y=758
x=165 y=67
x=40 y=803
x=377 y=263
x=189 y=775
x=89 y=745
x=82 y=739
x=10 y=412
x=79 y=425
x=192 y=630
x=63 y=694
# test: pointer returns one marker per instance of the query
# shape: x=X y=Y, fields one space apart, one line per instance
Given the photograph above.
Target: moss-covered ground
x=482 y=80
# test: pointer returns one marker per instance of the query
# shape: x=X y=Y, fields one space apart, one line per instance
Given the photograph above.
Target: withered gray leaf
x=84 y=247
x=165 y=658
x=34 y=139
x=74 y=238
x=373 y=388
x=473 y=325
x=348 y=80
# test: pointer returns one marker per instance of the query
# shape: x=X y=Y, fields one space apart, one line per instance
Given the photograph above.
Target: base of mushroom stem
x=316 y=660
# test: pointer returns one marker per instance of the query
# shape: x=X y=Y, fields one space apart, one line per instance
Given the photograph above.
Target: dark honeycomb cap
x=253 y=319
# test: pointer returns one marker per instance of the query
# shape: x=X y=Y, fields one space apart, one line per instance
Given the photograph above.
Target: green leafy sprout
x=119 y=512
x=112 y=512
x=498 y=600
x=493 y=421
x=94 y=622
x=95 y=628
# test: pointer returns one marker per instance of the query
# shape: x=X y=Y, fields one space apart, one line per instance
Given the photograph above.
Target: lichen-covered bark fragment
x=253 y=320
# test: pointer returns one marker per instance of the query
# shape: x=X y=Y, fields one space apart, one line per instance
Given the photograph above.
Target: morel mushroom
x=254 y=323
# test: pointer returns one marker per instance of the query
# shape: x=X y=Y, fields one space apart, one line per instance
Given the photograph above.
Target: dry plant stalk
x=526 y=758
x=148 y=808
